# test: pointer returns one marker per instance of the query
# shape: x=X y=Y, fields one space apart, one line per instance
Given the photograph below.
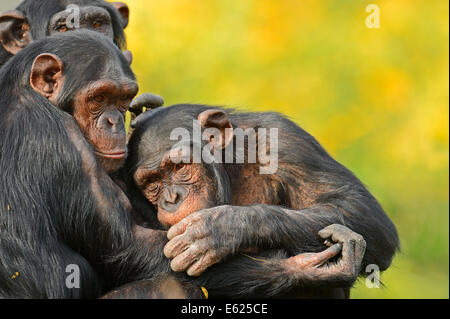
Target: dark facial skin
x=99 y=107
x=19 y=27
x=100 y=111
x=176 y=190
x=91 y=18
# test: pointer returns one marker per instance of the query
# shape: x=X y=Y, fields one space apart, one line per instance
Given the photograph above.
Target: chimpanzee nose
x=114 y=122
x=173 y=197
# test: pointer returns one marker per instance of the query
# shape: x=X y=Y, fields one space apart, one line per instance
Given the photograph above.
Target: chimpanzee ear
x=218 y=119
x=14 y=31
x=124 y=12
x=47 y=76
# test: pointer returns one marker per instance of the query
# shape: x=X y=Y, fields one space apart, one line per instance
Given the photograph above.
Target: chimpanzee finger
x=335 y=232
x=184 y=261
x=147 y=100
x=199 y=267
x=176 y=246
x=328 y=243
x=181 y=226
x=348 y=251
x=129 y=56
x=319 y=259
x=360 y=249
x=193 y=254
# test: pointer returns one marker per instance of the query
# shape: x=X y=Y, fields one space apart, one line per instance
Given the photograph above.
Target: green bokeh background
x=377 y=99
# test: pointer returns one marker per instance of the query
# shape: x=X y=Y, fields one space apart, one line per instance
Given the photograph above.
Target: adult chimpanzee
x=34 y=20
x=284 y=208
x=57 y=206
x=59 y=210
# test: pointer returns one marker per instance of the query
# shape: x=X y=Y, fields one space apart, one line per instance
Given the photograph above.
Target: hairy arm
x=320 y=192
x=101 y=226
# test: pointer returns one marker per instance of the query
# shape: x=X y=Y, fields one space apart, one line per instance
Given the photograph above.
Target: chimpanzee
x=57 y=206
x=62 y=103
x=274 y=191
x=34 y=20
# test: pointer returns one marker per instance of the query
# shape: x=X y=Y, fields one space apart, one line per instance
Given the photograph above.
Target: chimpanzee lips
x=115 y=155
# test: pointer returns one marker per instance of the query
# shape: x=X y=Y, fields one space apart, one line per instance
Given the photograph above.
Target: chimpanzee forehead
x=39 y=12
x=116 y=67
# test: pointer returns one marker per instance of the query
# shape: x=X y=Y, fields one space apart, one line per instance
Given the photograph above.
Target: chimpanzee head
x=85 y=75
x=36 y=19
x=164 y=168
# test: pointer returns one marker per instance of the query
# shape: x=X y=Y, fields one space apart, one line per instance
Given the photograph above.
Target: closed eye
x=183 y=172
x=153 y=191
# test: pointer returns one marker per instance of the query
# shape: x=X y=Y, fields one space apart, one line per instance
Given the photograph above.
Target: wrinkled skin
x=100 y=112
x=214 y=210
x=191 y=248
x=20 y=27
x=99 y=107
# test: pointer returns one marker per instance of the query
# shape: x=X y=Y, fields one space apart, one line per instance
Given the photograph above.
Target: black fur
x=303 y=166
x=49 y=216
x=39 y=13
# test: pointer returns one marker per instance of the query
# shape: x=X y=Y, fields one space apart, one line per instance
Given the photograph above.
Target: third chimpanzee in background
x=33 y=20
x=280 y=213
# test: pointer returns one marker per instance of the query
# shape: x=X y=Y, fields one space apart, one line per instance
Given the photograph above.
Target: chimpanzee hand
x=317 y=267
x=148 y=100
x=204 y=238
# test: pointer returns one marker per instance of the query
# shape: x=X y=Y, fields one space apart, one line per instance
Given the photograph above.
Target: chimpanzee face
x=177 y=190
x=91 y=18
x=165 y=171
x=34 y=20
x=98 y=103
x=100 y=111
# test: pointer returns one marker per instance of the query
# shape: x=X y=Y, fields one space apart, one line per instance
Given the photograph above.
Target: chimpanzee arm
x=103 y=230
x=314 y=274
x=268 y=227
x=324 y=191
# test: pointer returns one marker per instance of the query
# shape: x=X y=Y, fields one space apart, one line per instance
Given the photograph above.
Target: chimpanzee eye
x=183 y=173
x=99 y=99
x=97 y=24
x=63 y=28
x=153 y=190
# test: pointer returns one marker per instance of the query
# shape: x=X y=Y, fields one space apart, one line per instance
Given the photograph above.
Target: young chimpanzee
x=66 y=226
x=279 y=186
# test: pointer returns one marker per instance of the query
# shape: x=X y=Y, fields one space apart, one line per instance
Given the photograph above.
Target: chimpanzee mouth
x=117 y=155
